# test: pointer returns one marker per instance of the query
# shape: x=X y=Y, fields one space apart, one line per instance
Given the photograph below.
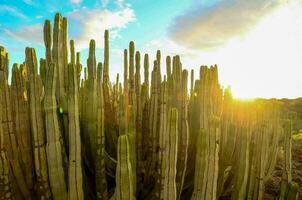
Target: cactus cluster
x=65 y=134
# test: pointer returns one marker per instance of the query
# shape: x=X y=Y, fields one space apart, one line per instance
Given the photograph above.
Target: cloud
x=268 y=53
x=33 y=33
x=104 y=2
x=29 y=2
x=94 y=22
x=12 y=10
x=75 y=1
x=209 y=27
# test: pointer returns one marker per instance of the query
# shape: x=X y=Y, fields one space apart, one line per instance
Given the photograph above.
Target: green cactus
x=244 y=136
x=170 y=157
x=162 y=143
x=106 y=58
x=90 y=138
x=21 y=123
x=55 y=146
x=75 y=177
x=48 y=42
x=37 y=127
x=124 y=173
x=9 y=133
x=183 y=142
x=100 y=171
x=6 y=190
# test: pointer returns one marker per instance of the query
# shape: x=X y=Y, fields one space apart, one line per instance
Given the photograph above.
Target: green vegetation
x=67 y=137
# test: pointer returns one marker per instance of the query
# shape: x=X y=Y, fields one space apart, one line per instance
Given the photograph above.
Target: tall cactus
x=289 y=189
x=170 y=157
x=21 y=123
x=136 y=139
x=48 y=43
x=243 y=155
x=37 y=127
x=58 y=57
x=183 y=143
x=124 y=177
x=6 y=190
x=106 y=58
x=55 y=146
x=206 y=185
x=100 y=171
x=75 y=177
x=9 y=133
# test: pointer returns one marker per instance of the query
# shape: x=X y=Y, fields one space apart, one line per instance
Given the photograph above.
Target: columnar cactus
x=162 y=142
x=183 y=142
x=170 y=157
x=55 y=146
x=289 y=189
x=210 y=124
x=106 y=58
x=58 y=53
x=21 y=122
x=5 y=181
x=37 y=127
x=90 y=138
x=124 y=173
x=48 y=43
x=243 y=130
x=100 y=171
x=6 y=190
x=75 y=177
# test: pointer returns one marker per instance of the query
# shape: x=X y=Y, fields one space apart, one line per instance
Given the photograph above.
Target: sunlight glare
x=265 y=62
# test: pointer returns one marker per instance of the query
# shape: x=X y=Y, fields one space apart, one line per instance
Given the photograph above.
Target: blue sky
x=143 y=21
x=244 y=37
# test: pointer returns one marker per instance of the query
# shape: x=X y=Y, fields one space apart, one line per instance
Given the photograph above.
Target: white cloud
x=266 y=62
x=120 y=3
x=104 y=3
x=33 y=33
x=208 y=27
x=12 y=10
x=94 y=22
x=75 y=1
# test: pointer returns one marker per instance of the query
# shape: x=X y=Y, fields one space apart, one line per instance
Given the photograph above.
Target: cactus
x=21 y=122
x=75 y=177
x=8 y=129
x=100 y=171
x=244 y=136
x=170 y=157
x=124 y=173
x=289 y=189
x=47 y=43
x=55 y=147
x=6 y=190
x=65 y=134
x=106 y=58
x=183 y=142
x=37 y=127
x=58 y=58
x=162 y=142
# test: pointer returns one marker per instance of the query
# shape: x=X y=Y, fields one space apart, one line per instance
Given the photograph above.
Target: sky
x=257 y=44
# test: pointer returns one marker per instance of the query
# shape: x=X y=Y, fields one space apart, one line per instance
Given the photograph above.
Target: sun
x=267 y=62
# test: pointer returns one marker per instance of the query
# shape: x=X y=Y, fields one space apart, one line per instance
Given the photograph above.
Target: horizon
x=260 y=36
